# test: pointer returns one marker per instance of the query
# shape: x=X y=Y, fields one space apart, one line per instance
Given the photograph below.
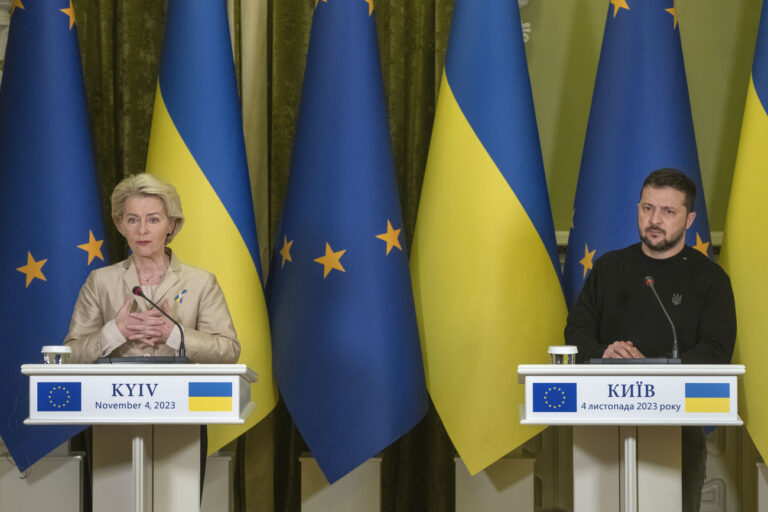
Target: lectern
x=626 y=419
x=146 y=417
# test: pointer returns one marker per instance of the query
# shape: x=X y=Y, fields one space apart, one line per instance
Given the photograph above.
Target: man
x=617 y=316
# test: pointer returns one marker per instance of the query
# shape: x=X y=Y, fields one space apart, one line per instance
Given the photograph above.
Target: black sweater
x=615 y=305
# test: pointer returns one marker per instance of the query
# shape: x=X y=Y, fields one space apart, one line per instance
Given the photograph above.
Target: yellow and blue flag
x=210 y=396
x=49 y=197
x=485 y=268
x=344 y=328
x=745 y=245
x=197 y=144
x=640 y=121
x=707 y=397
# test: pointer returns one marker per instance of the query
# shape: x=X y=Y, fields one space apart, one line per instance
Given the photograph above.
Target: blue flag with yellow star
x=344 y=334
x=640 y=121
x=53 y=233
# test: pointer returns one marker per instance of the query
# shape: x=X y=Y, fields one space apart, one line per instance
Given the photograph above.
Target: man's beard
x=664 y=244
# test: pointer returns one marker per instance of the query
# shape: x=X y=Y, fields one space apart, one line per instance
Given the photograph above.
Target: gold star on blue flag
x=48 y=179
x=344 y=333
x=640 y=121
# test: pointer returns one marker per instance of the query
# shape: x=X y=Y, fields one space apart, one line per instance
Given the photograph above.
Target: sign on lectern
x=631 y=394
x=91 y=394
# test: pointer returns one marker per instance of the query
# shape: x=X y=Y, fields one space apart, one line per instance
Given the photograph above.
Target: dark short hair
x=673 y=178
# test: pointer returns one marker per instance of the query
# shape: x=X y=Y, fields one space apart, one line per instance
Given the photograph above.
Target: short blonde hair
x=146 y=185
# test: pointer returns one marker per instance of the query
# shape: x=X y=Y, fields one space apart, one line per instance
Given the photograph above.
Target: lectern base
x=146 y=468
x=626 y=468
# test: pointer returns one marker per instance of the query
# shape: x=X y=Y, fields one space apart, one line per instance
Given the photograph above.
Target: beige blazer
x=195 y=299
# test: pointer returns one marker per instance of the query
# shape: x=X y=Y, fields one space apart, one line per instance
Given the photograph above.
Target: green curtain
x=121 y=44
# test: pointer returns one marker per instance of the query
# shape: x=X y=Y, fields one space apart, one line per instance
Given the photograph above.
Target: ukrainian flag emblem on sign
x=707 y=397
x=210 y=396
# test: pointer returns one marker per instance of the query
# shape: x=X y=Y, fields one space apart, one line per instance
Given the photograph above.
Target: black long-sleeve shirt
x=616 y=305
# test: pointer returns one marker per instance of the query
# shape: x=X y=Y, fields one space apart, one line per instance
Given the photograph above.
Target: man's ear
x=690 y=219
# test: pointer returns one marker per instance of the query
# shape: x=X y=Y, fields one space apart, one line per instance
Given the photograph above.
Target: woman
x=109 y=321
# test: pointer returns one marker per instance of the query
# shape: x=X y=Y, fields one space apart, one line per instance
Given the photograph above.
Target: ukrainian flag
x=746 y=244
x=197 y=144
x=210 y=396
x=707 y=397
x=53 y=232
x=640 y=121
x=484 y=262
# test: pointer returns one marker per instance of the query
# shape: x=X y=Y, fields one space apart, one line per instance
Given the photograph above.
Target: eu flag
x=346 y=346
x=485 y=269
x=640 y=121
x=59 y=396
x=53 y=231
x=554 y=397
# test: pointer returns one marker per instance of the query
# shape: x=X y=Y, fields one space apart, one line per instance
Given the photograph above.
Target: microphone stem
x=182 y=348
x=674 y=332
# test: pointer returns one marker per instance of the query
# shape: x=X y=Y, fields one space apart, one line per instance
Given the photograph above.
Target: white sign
x=629 y=399
x=77 y=398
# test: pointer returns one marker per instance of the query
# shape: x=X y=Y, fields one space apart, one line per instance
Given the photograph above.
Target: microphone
x=182 y=349
x=649 y=282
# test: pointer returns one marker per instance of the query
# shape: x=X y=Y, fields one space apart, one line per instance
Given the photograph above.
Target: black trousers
x=694 y=466
x=203 y=456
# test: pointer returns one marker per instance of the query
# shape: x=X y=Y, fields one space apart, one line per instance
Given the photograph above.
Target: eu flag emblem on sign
x=58 y=396
x=554 y=397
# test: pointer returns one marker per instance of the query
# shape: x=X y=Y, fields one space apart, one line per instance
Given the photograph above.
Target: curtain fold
x=120 y=44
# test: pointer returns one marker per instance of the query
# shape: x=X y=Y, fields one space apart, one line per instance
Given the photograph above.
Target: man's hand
x=622 y=350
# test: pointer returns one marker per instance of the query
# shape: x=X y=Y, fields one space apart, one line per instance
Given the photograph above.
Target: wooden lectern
x=146 y=418
x=626 y=425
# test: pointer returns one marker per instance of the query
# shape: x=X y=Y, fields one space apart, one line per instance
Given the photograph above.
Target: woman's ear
x=116 y=220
